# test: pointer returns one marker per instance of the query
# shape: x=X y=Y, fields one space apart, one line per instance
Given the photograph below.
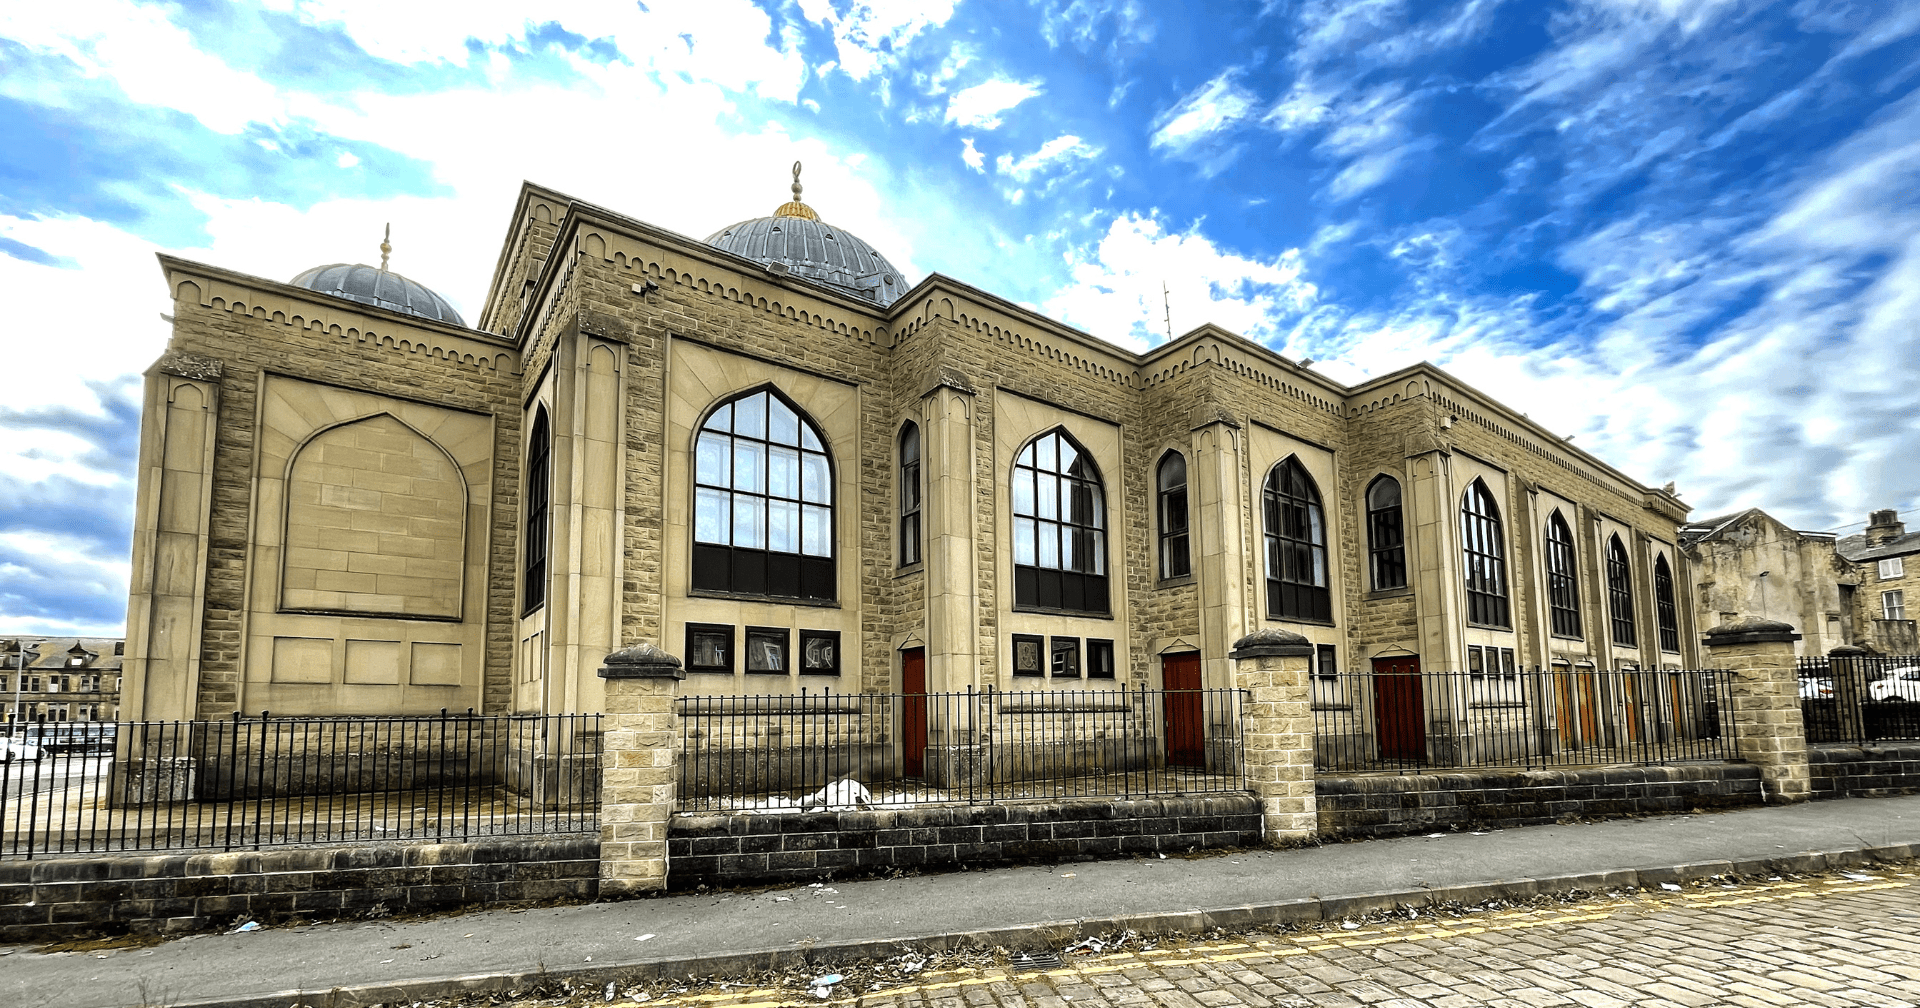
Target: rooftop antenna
x=1167 y=306
x=386 y=247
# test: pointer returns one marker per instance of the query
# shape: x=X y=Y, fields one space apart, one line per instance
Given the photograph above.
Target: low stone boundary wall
x=1873 y=770
x=1381 y=805
x=736 y=848
x=67 y=897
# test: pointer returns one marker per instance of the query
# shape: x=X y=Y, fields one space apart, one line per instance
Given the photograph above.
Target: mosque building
x=771 y=455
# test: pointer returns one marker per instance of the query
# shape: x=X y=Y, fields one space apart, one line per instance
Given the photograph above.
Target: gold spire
x=796 y=208
x=386 y=247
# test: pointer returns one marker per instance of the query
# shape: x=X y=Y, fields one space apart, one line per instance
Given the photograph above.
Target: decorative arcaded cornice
x=182 y=364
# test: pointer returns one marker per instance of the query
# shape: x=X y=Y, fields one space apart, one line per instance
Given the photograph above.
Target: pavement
x=351 y=963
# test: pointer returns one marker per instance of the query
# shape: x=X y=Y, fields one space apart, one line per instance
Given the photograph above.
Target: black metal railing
x=1860 y=699
x=854 y=750
x=1539 y=718
x=252 y=782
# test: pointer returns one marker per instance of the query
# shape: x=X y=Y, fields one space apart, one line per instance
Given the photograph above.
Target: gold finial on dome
x=386 y=247
x=796 y=208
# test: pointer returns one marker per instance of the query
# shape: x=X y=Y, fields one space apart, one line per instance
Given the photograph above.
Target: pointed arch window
x=1386 y=534
x=1296 y=545
x=539 y=473
x=763 y=502
x=1563 y=585
x=1485 y=558
x=1059 y=527
x=1620 y=592
x=1666 y=615
x=1175 y=561
x=909 y=494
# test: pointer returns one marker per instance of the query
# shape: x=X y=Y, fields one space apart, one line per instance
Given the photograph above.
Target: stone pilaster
x=1271 y=665
x=639 y=770
x=1766 y=704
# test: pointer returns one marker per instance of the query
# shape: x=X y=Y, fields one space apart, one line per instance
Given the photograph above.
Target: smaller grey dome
x=378 y=287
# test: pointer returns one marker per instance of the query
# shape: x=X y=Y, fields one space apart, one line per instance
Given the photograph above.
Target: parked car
x=1816 y=689
x=1901 y=684
x=23 y=751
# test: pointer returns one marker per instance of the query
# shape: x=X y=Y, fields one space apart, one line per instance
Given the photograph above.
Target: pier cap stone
x=1752 y=630
x=1271 y=642
x=1848 y=651
x=641 y=661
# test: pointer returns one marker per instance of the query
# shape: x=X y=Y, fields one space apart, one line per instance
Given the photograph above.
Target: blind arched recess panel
x=763 y=521
x=1059 y=527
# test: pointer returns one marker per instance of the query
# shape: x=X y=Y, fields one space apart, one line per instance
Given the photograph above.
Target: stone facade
x=1888 y=601
x=1749 y=565
x=334 y=496
x=61 y=678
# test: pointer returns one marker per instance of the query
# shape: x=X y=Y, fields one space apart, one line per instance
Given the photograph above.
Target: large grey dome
x=383 y=288
x=795 y=240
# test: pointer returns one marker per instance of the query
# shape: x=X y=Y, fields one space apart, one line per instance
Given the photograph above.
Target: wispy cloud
x=979 y=106
x=1199 y=126
x=1052 y=155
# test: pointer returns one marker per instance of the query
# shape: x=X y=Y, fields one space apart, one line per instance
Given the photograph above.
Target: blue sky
x=1685 y=232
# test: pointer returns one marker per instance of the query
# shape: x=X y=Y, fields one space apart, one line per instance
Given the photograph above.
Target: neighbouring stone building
x=1750 y=565
x=61 y=679
x=1888 y=557
x=770 y=455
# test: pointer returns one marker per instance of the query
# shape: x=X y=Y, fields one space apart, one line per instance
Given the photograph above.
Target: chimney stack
x=1884 y=526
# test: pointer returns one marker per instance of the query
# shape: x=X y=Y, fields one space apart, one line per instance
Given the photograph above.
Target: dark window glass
x=819 y=652
x=1296 y=546
x=1059 y=528
x=1100 y=659
x=1484 y=557
x=1620 y=592
x=709 y=647
x=1029 y=655
x=1476 y=661
x=1386 y=535
x=1563 y=585
x=767 y=650
x=1066 y=657
x=533 y=584
x=763 y=502
x=1663 y=608
x=1326 y=662
x=909 y=495
x=1508 y=669
x=1172 y=478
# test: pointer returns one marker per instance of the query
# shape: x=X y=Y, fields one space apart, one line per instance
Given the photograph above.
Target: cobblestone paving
x=1843 y=942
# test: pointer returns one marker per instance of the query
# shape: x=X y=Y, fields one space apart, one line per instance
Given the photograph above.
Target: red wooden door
x=1399 y=710
x=913 y=731
x=1184 y=709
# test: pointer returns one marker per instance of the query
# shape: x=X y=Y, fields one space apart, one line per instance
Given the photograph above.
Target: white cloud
x=1214 y=108
x=979 y=106
x=870 y=34
x=972 y=156
x=1053 y=154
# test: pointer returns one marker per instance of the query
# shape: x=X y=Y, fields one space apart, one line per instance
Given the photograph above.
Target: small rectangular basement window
x=709 y=647
x=1029 y=655
x=820 y=652
x=767 y=650
x=1099 y=659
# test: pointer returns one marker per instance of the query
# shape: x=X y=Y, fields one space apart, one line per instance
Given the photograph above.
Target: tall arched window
x=1172 y=480
x=1620 y=592
x=763 y=502
x=909 y=494
x=1563 y=585
x=1059 y=527
x=1665 y=614
x=1386 y=534
x=1484 y=552
x=533 y=584
x=1296 y=545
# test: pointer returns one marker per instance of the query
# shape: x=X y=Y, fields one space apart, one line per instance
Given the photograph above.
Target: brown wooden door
x=1399 y=708
x=913 y=731
x=1184 y=710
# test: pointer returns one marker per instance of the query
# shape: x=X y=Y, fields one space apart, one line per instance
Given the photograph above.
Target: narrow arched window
x=1485 y=557
x=538 y=490
x=1620 y=592
x=1563 y=586
x=909 y=494
x=1172 y=481
x=763 y=502
x=1665 y=614
x=1059 y=527
x=1296 y=545
x=1386 y=534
